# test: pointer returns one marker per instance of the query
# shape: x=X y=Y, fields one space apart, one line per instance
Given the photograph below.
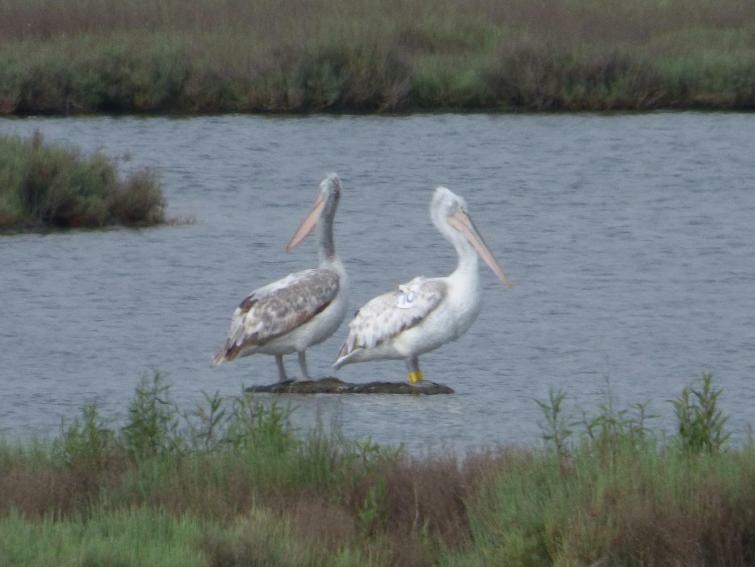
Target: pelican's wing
x=388 y=315
x=278 y=308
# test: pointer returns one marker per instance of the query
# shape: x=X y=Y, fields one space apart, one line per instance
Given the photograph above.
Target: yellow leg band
x=415 y=376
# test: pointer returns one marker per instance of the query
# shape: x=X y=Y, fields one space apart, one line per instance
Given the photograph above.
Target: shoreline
x=408 y=113
x=208 y=56
x=294 y=115
x=233 y=483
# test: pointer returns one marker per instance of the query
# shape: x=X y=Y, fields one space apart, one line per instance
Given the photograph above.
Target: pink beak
x=307 y=225
x=460 y=221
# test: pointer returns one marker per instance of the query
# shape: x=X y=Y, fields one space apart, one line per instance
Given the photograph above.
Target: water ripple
x=630 y=240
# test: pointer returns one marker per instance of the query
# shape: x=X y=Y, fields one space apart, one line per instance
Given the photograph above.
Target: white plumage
x=386 y=316
x=425 y=313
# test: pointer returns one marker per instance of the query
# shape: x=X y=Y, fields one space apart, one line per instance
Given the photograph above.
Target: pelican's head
x=325 y=205
x=449 y=214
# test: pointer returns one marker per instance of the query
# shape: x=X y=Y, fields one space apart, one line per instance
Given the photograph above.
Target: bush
x=50 y=186
x=701 y=423
x=231 y=483
x=75 y=56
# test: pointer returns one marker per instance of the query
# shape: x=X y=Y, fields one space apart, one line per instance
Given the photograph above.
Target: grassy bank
x=231 y=484
x=50 y=186
x=394 y=55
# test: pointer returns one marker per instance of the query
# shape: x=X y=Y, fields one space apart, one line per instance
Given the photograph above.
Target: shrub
x=77 y=56
x=87 y=441
x=231 y=483
x=52 y=186
x=701 y=423
x=152 y=426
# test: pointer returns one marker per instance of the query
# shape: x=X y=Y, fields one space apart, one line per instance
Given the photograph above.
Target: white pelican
x=424 y=313
x=300 y=310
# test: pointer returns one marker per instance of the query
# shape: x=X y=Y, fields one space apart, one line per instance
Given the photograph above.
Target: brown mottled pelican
x=300 y=310
x=424 y=313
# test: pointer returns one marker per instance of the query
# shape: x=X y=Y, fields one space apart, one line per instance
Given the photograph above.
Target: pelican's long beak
x=460 y=221
x=308 y=224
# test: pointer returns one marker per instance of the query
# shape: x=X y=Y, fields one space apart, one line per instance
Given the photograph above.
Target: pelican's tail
x=218 y=357
x=341 y=361
x=225 y=354
x=342 y=358
x=346 y=355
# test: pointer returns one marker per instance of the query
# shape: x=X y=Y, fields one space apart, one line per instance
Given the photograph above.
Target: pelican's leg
x=281 y=369
x=303 y=365
x=415 y=375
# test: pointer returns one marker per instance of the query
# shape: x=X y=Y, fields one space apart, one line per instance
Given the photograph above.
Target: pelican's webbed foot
x=415 y=377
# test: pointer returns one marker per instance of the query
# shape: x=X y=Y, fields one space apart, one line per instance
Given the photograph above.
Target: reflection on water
x=630 y=241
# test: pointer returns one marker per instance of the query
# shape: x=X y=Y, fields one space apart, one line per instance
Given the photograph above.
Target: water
x=630 y=240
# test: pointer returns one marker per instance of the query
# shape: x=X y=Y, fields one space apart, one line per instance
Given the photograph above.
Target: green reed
x=232 y=482
x=206 y=56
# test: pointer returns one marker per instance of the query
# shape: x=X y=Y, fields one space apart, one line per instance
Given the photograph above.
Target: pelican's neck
x=332 y=262
x=326 y=249
x=466 y=267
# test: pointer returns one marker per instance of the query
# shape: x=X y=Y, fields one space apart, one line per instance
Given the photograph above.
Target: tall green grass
x=232 y=483
x=608 y=491
x=136 y=536
x=76 y=56
x=51 y=186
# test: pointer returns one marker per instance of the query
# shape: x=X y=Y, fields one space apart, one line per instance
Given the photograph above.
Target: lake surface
x=630 y=241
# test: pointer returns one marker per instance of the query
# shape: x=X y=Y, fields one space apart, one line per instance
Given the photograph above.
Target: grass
x=51 y=186
x=200 y=56
x=231 y=483
x=137 y=536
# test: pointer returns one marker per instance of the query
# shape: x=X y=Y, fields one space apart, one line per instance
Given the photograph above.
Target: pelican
x=425 y=313
x=300 y=310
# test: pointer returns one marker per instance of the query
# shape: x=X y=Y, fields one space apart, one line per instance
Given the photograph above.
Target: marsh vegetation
x=231 y=483
x=77 y=56
x=48 y=186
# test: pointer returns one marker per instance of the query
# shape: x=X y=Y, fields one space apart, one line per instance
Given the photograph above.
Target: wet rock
x=331 y=385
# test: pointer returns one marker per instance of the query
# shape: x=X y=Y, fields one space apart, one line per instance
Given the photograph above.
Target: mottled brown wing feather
x=278 y=308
